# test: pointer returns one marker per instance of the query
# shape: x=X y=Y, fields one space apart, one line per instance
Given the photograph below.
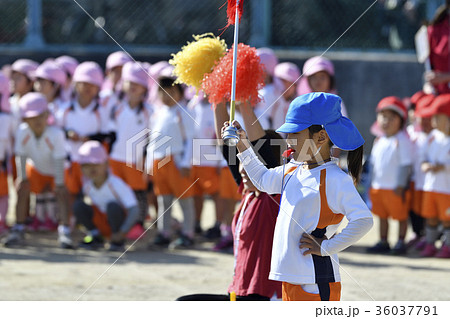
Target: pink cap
x=32 y=104
x=287 y=71
x=118 y=58
x=156 y=68
x=135 y=72
x=67 y=63
x=167 y=72
x=89 y=72
x=317 y=64
x=268 y=59
x=24 y=66
x=52 y=72
x=4 y=91
x=92 y=152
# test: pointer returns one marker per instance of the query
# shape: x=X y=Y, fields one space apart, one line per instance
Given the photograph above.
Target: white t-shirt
x=90 y=120
x=388 y=155
x=41 y=152
x=172 y=132
x=129 y=125
x=300 y=212
x=6 y=135
x=438 y=152
x=15 y=110
x=271 y=101
x=113 y=190
x=419 y=140
x=205 y=152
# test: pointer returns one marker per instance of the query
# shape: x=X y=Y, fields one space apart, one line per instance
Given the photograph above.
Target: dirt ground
x=41 y=271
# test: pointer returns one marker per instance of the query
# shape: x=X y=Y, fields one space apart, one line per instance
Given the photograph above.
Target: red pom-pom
x=231 y=11
x=249 y=77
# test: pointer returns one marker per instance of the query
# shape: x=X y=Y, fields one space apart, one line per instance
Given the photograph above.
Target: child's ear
x=323 y=137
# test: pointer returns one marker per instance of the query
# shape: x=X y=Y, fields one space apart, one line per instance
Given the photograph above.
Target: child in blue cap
x=315 y=196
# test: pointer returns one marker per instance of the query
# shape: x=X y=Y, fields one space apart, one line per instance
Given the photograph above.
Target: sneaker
x=181 y=242
x=399 y=248
x=92 y=242
x=198 y=229
x=379 y=248
x=213 y=233
x=135 y=232
x=15 y=237
x=161 y=240
x=444 y=252
x=65 y=241
x=34 y=225
x=119 y=247
x=224 y=245
x=429 y=250
x=413 y=242
x=421 y=244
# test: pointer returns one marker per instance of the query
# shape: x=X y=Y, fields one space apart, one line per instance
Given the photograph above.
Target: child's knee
x=79 y=208
x=114 y=209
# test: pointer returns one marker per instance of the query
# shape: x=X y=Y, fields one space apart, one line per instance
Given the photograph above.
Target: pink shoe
x=35 y=225
x=135 y=232
x=444 y=252
x=421 y=244
x=429 y=251
x=48 y=225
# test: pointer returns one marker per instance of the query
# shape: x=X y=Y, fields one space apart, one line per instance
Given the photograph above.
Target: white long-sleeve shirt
x=437 y=152
x=313 y=201
x=171 y=135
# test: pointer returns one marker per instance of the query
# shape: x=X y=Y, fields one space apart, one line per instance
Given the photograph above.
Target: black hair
x=354 y=158
x=166 y=82
x=441 y=13
x=277 y=149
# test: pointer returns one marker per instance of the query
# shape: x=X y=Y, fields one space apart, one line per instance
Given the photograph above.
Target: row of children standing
x=111 y=110
x=411 y=173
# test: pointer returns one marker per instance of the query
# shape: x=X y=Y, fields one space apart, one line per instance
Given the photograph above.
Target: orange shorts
x=417 y=202
x=228 y=188
x=208 y=180
x=296 y=293
x=436 y=205
x=3 y=183
x=39 y=183
x=167 y=180
x=385 y=203
x=100 y=221
x=73 y=178
x=135 y=179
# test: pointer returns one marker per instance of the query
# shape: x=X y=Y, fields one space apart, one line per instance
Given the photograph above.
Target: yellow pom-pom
x=197 y=59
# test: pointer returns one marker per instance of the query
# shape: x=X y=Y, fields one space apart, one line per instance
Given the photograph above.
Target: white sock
x=40 y=207
x=164 y=214
x=187 y=205
x=3 y=209
x=50 y=207
x=431 y=234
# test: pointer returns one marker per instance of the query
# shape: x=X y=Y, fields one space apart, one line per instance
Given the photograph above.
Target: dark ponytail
x=355 y=163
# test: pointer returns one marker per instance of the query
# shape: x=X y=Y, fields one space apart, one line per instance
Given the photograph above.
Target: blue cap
x=322 y=109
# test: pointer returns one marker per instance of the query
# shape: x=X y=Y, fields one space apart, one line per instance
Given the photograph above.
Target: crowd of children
x=51 y=114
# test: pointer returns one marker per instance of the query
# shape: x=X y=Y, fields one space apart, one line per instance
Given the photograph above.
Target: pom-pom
x=197 y=59
x=231 y=11
x=249 y=77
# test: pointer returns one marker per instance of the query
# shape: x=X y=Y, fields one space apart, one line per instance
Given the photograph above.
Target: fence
x=308 y=24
